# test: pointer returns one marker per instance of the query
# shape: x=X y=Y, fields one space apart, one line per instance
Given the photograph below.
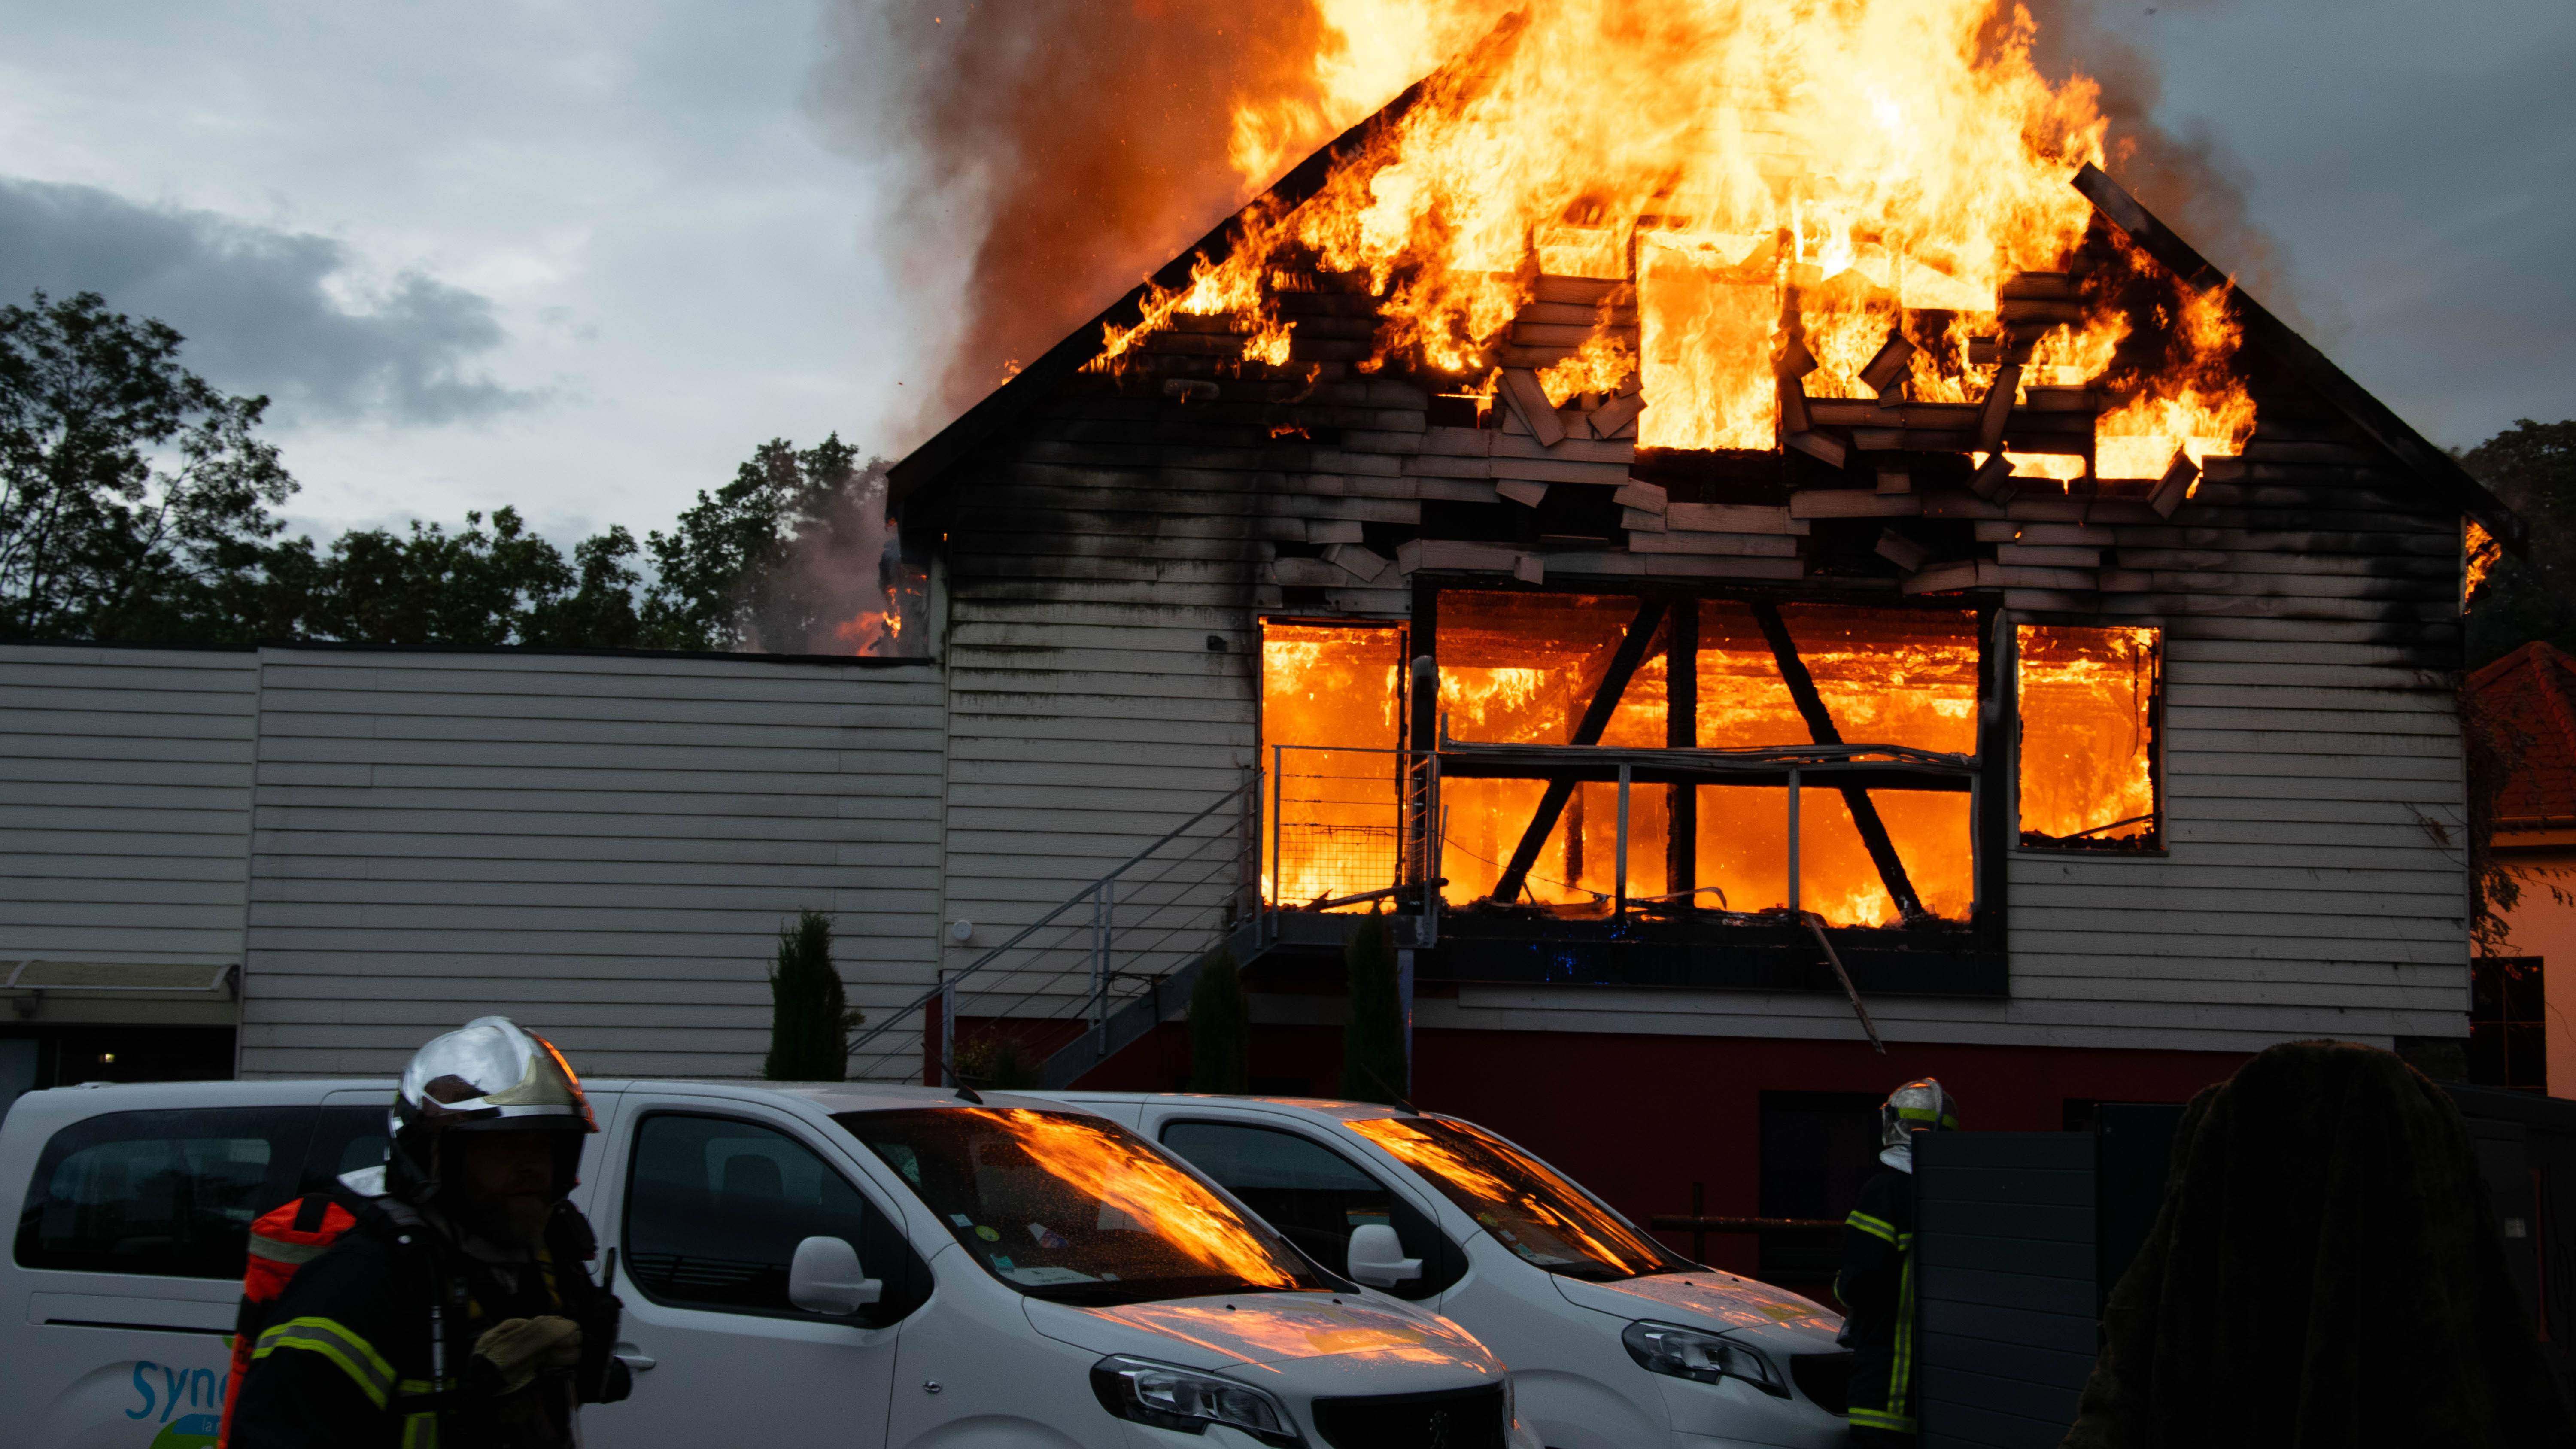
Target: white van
x=1024 y=1273
x=1615 y=1341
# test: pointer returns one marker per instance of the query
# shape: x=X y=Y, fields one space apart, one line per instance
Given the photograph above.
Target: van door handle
x=635 y=1359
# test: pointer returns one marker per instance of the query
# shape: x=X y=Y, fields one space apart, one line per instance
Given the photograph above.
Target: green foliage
x=478 y=587
x=808 y=1016
x=1374 y=1068
x=995 y=1058
x=1220 y=1029
x=133 y=498
x=2532 y=467
x=721 y=580
x=134 y=506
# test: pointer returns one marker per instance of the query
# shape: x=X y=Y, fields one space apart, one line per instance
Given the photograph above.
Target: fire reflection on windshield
x=1540 y=1216
x=1126 y=1177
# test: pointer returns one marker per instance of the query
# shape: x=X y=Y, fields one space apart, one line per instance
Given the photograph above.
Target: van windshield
x=1077 y=1208
x=1529 y=1209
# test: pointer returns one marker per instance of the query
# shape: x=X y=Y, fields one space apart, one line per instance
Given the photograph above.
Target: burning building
x=1698 y=520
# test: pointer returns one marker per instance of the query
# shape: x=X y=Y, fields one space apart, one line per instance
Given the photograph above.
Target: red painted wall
x=1638 y=1119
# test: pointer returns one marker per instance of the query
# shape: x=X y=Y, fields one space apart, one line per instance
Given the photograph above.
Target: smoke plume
x=1061 y=148
x=1049 y=153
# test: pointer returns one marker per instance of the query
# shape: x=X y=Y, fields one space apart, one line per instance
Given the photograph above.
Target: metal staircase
x=1096 y=973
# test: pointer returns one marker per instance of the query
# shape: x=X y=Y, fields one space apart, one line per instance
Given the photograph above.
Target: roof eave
x=2437 y=469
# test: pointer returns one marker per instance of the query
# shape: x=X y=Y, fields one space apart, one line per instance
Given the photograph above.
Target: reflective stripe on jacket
x=1876 y=1287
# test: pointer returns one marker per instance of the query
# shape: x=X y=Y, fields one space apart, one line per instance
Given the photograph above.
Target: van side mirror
x=1377 y=1257
x=825 y=1278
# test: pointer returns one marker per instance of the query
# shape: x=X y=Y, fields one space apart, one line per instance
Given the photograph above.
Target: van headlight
x=1146 y=1392
x=1687 y=1353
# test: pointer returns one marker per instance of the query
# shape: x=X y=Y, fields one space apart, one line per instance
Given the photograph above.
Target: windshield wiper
x=1098 y=1294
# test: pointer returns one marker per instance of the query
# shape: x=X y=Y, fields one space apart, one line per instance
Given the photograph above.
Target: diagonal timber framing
x=1820 y=725
x=1596 y=718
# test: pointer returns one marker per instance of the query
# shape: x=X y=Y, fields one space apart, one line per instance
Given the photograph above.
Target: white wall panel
x=601 y=846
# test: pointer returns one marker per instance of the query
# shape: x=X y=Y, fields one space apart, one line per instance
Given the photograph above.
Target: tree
x=997 y=1059
x=809 y=1018
x=1220 y=1028
x=133 y=497
x=2532 y=467
x=723 y=575
x=135 y=502
x=1374 y=1068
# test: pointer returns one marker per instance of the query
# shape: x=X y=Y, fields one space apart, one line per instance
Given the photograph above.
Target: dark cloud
x=256 y=306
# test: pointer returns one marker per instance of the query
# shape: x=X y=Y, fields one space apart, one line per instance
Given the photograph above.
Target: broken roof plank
x=2438 y=469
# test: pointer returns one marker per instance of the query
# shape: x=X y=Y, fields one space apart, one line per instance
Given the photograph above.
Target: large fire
x=1520 y=669
x=2088 y=734
x=1335 y=687
x=1764 y=180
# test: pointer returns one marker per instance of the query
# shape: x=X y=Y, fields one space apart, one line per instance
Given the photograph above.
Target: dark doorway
x=1817 y=1149
x=35 y=1057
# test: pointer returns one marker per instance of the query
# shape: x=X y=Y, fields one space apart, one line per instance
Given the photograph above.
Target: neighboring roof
x=2437 y=469
x=2527 y=703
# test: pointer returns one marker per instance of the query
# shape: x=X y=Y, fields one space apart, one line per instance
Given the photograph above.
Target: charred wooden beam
x=1888 y=366
x=1820 y=725
x=2438 y=469
x=1587 y=731
x=1681 y=732
x=1528 y=401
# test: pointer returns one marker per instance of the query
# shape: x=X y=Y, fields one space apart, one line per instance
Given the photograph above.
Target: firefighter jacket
x=1876 y=1287
x=371 y=1344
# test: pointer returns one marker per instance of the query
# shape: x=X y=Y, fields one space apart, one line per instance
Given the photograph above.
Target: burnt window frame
x=1942 y=958
x=2157 y=841
x=1264 y=813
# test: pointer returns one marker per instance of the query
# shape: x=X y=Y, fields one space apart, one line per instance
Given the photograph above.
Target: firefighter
x=1876 y=1284
x=457 y=1309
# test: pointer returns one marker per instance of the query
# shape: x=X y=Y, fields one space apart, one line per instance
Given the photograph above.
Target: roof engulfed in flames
x=1769 y=174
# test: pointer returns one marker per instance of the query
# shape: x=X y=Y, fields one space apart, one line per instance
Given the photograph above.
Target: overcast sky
x=583 y=257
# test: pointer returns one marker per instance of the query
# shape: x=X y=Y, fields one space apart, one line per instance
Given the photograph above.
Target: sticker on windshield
x=961 y=1220
x=990 y=1235
x=1044 y=1277
x=1048 y=1238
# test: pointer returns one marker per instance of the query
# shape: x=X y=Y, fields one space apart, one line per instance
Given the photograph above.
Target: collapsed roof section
x=1829 y=429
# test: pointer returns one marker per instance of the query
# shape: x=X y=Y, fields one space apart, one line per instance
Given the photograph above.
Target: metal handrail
x=945 y=989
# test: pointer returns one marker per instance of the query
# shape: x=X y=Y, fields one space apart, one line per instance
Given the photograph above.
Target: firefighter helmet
x=490 y=1075
x=1918 y=1106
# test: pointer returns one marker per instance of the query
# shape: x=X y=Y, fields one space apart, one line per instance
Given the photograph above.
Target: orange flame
x=1521 y=668
x=1758 y=171
x=1131 y=1179
x=868 y=631
x=2087 y=747
x=2482 y=553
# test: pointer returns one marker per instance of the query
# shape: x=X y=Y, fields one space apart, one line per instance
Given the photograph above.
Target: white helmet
x=1918 y=1106
x=489 y=1075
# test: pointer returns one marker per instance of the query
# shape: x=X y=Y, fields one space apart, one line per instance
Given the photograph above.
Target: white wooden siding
x=125 y=798
x=601 y=846
x=1087 y=714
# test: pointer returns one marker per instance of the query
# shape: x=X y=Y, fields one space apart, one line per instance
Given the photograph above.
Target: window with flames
x=1595 y=756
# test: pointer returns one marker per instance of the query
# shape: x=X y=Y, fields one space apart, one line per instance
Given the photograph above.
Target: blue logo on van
x=169 y=1389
